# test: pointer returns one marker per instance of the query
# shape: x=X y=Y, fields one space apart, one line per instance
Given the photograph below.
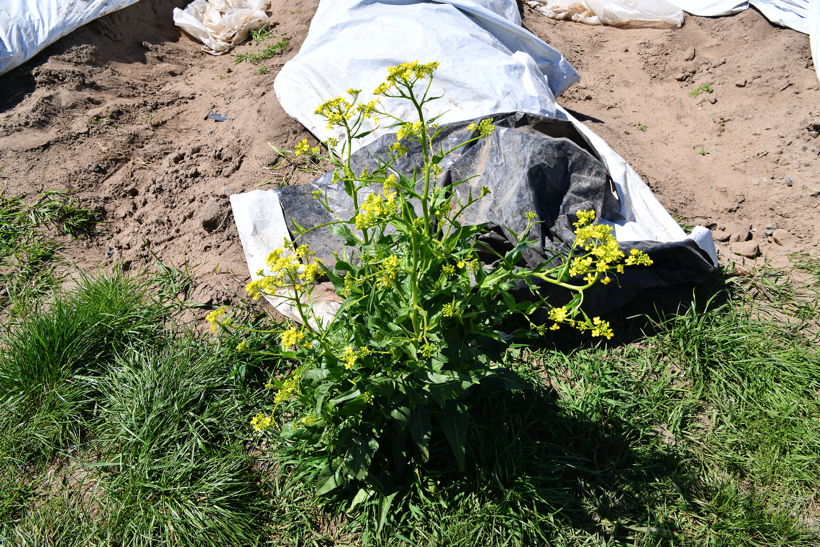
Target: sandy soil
x=117 y=114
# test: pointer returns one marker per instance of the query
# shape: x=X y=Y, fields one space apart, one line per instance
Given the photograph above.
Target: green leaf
x=384 y=507
x=346 y=397
x=361 y=496
x=328 y=480
x=360 y=454
x=455 y=423
x=419 y=427
x=343 y=232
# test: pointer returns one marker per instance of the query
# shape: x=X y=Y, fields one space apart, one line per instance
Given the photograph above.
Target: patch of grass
x=702 y=151
x=117 y=430
x=268 y=51
x=776 y=296
x=261 y=34
x=701 y=90
x=174 y=465
x=172 y=285
x=50 y=362
x=27 y=255
x=641 y=126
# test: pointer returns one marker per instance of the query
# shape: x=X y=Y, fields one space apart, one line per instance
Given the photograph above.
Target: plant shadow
x=527 y=456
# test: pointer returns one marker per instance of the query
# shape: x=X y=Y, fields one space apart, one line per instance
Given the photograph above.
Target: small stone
x=788 y=180
x=783 y=238
x=749 y=249
x=689 y=55
x=713 y=100
x=740 y=83
x=737 y=231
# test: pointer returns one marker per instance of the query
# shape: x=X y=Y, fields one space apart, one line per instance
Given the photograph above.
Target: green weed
x=702 y=89
x=269 y=51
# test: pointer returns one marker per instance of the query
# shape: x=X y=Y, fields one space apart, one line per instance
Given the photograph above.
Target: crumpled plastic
x=221 y=24
x=618 y=13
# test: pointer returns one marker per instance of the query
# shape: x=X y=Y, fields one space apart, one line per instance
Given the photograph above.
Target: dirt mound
x=117 y=113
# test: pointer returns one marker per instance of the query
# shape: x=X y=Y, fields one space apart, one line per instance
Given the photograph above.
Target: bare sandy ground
x=117 y=114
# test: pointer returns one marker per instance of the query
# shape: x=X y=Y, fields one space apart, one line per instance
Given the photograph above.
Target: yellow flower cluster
x=337 y=112
x=286 y=271
x=449 y=310
x=374 y=207
x=638 y=258
x=292 y=337
x=390 y=182
x=405 y=74
x=601 y=328
x=603 y=254
x=408 y=130
x=388 y=271
x=484 y=128
x=367 y=110
x=213 y=318
x=304 y=149
x=349 y=356
x=398 y=149
x=310 y=420
x=261 y=422
x=561 y=315
x=288 y=389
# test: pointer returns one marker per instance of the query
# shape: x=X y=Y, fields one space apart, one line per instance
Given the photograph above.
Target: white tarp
x=221 y=24
x=621 y=13
x=28 y=26
x=794 y=14
x=489 y=65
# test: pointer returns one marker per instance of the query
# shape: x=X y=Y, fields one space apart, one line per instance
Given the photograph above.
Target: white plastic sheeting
x=28 y=26
x=794 y=14
x=221 y=24
x=489 y=64
x=619 y=13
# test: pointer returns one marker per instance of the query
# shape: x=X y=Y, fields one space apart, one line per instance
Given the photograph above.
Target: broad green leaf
x=455 y=422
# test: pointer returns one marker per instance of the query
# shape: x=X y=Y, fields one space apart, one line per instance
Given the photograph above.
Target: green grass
x=51 y=362
x=702 y=89
x=118 y=428
x=267 y=51
x=27 y=257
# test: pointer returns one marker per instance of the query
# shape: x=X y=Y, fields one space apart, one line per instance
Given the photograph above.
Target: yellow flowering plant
x=421 y=314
